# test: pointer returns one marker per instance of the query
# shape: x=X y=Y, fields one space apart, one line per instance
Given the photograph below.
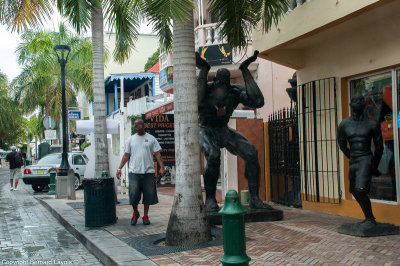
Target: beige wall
x=307 y=20
x=372 y=44
x=145 y=46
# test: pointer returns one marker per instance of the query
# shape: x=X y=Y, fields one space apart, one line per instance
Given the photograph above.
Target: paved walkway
x=30 y=235
x=302 y=238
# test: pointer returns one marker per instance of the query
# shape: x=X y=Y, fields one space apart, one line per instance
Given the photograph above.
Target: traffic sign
x=50 y=134
x=49 y=123
x=74 y=115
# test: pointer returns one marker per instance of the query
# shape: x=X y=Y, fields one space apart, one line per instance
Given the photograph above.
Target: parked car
x=38 y=175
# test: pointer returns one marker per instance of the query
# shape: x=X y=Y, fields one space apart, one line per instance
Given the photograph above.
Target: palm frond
x=123 y=17
x=78 y=12
x=20 y=15
x=162 y=14
x=238 y=17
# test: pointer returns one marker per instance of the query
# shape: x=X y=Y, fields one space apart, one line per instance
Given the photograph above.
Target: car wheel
x=77 y=183
x=38 y=188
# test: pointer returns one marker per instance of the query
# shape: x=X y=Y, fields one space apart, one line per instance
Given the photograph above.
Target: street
x=30 y=235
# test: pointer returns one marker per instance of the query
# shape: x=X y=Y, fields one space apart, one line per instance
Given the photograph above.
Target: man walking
x=139 y=150
x=16 y=162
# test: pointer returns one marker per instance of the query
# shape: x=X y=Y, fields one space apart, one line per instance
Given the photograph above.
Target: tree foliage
x=152 y=60
x=38 y=85
x=11 y=119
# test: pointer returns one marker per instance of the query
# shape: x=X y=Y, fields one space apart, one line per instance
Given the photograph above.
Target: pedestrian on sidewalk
x=139 y=150
x=16 y=161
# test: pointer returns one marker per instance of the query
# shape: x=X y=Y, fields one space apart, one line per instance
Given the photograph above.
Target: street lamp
x=62 y=52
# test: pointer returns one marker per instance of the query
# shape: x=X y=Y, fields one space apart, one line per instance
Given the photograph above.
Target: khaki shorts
x=15 y=173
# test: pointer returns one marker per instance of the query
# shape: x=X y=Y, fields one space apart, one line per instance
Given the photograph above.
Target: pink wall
x=273 y=81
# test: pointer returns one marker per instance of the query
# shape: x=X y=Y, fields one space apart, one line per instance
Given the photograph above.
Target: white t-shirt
x=141 y=149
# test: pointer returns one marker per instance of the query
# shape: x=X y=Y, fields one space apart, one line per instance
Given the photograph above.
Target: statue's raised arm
x=202 y=79
x=253 y=96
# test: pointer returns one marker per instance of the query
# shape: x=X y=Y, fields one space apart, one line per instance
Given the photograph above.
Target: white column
x=122 y=120
x=208 y=39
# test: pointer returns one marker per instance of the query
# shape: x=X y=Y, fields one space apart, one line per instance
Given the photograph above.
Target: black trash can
x=99 y=196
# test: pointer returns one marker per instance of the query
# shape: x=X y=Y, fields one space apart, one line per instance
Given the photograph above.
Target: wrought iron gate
x=319 y=151
x=284 y=157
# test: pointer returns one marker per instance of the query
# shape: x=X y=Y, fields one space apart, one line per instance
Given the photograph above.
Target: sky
x=9 y=43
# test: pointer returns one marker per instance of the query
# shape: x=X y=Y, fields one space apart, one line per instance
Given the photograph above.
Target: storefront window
x=377 y=90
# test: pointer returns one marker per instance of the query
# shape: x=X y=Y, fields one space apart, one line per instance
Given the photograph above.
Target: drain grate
x=81 y=205
x=145 y=244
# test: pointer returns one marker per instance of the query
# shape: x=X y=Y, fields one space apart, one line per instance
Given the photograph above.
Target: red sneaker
x=135 y=217
x=146 y=220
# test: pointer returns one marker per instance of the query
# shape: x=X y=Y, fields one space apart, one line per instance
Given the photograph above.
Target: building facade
x=342 y=48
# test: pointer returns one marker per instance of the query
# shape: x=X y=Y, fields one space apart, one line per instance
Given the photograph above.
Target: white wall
x=145 y=46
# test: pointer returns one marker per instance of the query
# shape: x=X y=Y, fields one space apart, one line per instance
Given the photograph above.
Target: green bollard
x=52 y=190
x=233 y=231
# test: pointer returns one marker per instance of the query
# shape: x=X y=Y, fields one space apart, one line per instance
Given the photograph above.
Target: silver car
x=38 y=175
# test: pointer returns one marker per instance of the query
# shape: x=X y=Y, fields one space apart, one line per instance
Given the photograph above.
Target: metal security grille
x=284 y=157
x=319 y=151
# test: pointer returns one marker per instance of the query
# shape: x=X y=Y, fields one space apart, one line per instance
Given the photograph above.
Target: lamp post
x=62 y=52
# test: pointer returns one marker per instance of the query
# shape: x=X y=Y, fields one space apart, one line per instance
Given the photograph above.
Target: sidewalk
x=302 y=238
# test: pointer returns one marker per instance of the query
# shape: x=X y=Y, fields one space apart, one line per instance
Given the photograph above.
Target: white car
x=38 y=175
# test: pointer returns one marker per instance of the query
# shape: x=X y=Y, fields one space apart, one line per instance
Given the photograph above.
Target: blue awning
x=131 y=81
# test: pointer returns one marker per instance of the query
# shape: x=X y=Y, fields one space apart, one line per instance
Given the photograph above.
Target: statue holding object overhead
x=216 y=101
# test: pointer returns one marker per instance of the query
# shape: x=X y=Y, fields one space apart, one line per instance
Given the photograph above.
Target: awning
x=168 y=107
x=131 y=81
x=85 y=127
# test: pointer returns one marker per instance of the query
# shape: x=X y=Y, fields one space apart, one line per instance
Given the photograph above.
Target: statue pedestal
x=368 y=229
x=214 y=218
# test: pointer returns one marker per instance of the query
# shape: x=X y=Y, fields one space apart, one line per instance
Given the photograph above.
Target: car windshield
x=50 y=159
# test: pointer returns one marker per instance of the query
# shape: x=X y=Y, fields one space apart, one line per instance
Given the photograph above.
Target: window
x=78 y=160
x=377 y=91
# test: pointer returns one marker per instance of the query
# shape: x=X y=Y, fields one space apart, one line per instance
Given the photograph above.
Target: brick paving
x=30 y=235
x=303 y=237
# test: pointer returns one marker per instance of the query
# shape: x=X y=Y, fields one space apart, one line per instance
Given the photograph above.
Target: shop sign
x=166 y=76
x=216 y=55
x=162 y=128
x=160 y=110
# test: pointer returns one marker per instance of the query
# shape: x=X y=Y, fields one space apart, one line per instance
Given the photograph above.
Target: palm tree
x=38 y=85
x=121 y=16
x=187 y=224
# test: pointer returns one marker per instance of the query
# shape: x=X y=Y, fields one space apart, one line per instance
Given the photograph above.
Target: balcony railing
x=208 y=34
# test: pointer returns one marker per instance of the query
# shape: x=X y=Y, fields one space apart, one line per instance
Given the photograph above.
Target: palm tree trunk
x=187 y=222
x=100 y=126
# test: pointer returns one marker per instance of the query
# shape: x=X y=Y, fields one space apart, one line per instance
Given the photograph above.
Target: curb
x=106 y=247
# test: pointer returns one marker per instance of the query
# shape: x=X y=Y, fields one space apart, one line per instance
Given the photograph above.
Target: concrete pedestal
x=250 y=216
x=65 y=185
x=61 y=186
x=368 y=229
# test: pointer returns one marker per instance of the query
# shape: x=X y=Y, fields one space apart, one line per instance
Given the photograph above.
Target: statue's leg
x=361 y=183
x=362 y=198
x=239 y=145
x=211 y=170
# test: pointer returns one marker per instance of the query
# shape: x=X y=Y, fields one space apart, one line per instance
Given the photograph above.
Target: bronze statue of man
x=358 y=131
x=216 y=101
